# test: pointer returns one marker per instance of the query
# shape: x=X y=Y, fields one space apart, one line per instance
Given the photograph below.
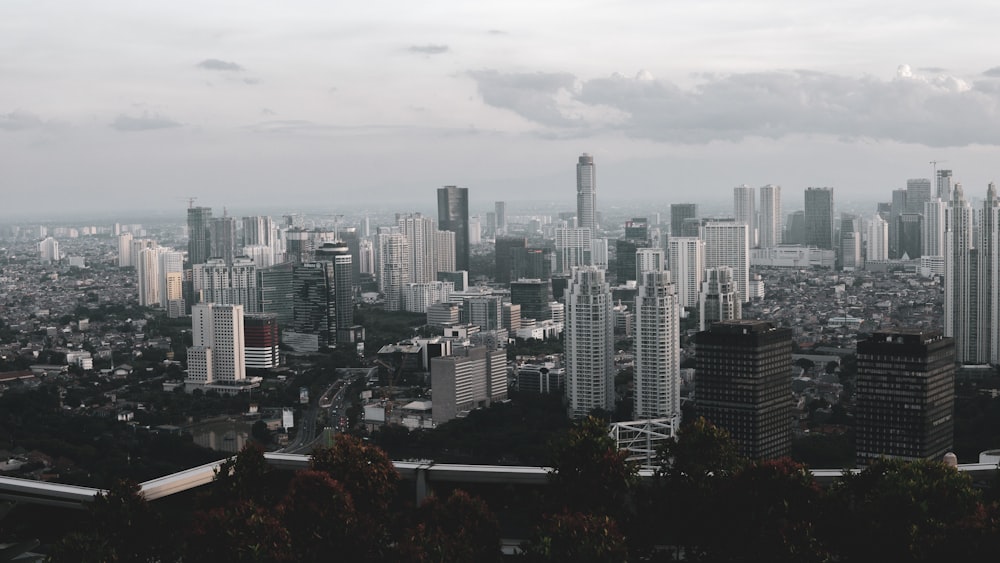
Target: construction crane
x=935 y=163
x=387 y=395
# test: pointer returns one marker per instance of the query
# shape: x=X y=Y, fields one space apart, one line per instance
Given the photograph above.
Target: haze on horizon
x=114 y=105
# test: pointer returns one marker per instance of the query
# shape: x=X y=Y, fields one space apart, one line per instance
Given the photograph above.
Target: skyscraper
x=393 y=257
x=718 y=300
x=896 y=211
x=586 y=193
x=878 y=239
x=745 y=211
x=125 y=250
x=905 y=396
x=223 y=240
x=657 y=347
x=500 y=213
x=573 y=248
x=935 y=222
x=727 y=243
x=589 y=343
x=850 y=242
x=678 y=213
x=199 y=220
x=687 y=267
x=944 y=185
x=743 y=384
x=961 y=300
x=533 y=297
x=918 y=192
x=453 y=215
x=505 y=249
x=420 y=232
x=988 y=284
x=227 y=284
x=340 y=268
x=819 y=217
x=260 y=332
x=769 y=222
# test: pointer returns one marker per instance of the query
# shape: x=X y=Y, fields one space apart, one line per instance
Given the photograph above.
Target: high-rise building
x=988 y=284
x=223 y=238
x=687 y=268
x=533 y=297
x=505 y=249
x=171 y=262
x=393 y=255
x=961 y=299
x=175 y=302
x=259 y=230
x=678 y=213
x=909 y=235
x=125 y=250
x=234 y=283
x=418 y=297
x=444 y=251
x=657 y=348
x=586 y=193
x=819 y=217
x=944 y=185
x=905 y=396
x=453 y=215
x=485 y=311
x=795 y=228
x=314 y=309
x=276 y=291
x=500 y=213
x=769 y=216
x=260 y=334
x=850 y=242
x=534 y=263
x=727 y=244
x=147 y=272
x=745 y=211
x=649 y=260
x=719 y=300
x=420 y=232
x=466 y=379
x=589 y=343
x=934 y=227
x=743 y=384
x=217 y=355
x=199 y=221
x=573 y=248
x=625 y=251
x=896 y=211
x=918 y=192
x=877 y=248
x=48 y=250
x=340 y=269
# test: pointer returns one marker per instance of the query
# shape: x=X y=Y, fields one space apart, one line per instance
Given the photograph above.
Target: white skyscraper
x=989 y=274
x=649 y=260
x=944 y=185
x=719 y=300
x=171 y=262
x=586 y=193
x=769 y=217
x=147 y=272
x=421 y=232
x=444 y=251
x=727 y=243
x=599 y=253
x=961 y=303
x=217 y=354
x=393 y=256
x=125 y=250
x=687 y=268
x=657 y=348
x=744 y=210
x=48 y=250
x=878 y=239
x=589 y=343
x=572 y=248
x=227 y=284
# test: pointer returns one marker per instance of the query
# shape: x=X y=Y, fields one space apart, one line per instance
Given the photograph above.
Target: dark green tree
x=461 y=528
x=573 y=536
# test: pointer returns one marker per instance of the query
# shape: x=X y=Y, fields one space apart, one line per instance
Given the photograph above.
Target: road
x=306 y=435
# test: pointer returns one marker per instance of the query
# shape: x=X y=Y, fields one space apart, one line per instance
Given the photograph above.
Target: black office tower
x=199 y=221
x=453 y=215
x=743 y=383
x=905 y=395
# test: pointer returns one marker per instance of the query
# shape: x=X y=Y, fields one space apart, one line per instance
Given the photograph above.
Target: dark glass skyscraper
x=678 y=213
x=453 y=215
x=819 y=217
x=199 y=221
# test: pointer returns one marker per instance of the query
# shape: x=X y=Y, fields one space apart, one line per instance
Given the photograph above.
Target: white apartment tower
x=589 y=343
x=586 y=193
x=573 y=248
x=989 y=274
x=657 y=348
x=393 y=255
x=217 y=352
x=727 y=244
x=769 y=217
x=227 y=284
x=420 y=232
x=171 y=263
x=935 y=223
x=687 y=266
x=744 y=210
x=961 y=304
x=147 y=272
x=719 y=300
x=878 y=239
x=444 y=251
x=48 y=250
x=125 y=250
x=649 y=260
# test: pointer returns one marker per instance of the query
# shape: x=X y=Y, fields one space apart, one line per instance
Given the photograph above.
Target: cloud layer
x=145 y=122
x=216 y=64
x=934 y=109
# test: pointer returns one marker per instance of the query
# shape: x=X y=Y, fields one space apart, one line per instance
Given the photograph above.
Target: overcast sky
x=124 y=104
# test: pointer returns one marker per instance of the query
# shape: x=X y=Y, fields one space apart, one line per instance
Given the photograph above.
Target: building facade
x=589 y=343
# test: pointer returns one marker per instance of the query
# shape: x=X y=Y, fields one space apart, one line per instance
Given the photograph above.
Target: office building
x=944 y=185
x=453 y=215
x=795 y=228
x=337 y=255
x=743 y=385
x=217 y=356
x=223 y=238
x=534 y=263
x=444 y=251
x=819 y=218
x=199 y=220
x=500 y=217
x=234 y=283
x=261 y=340
x=909 y=237
x=918 y=192
x=505 y=248
x=469 y=378
x=905 y=396
x=586 y=193
x=418 y=297
x=458 y=280
x=719 y=300
x=533 y=297
x=769 y=217
x=687 y=267
x=625 y=253
x=589 y=343
x=850 y=242
x=727 y=244
x=485 y=311
x=679 y=212
x=657 y=348
x=276 y=293
x=511 y=318
x=745 y=210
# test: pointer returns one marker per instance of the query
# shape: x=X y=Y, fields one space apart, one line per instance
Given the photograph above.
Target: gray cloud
x=429 y=49
x=993 y=72
x=910 y=108
x=932 y=69
x=145 y=122
x=17 y=120
x=216 y=64
x=531 y=95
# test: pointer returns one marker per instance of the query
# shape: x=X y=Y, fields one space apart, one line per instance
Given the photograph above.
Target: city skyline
x=294 y=105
